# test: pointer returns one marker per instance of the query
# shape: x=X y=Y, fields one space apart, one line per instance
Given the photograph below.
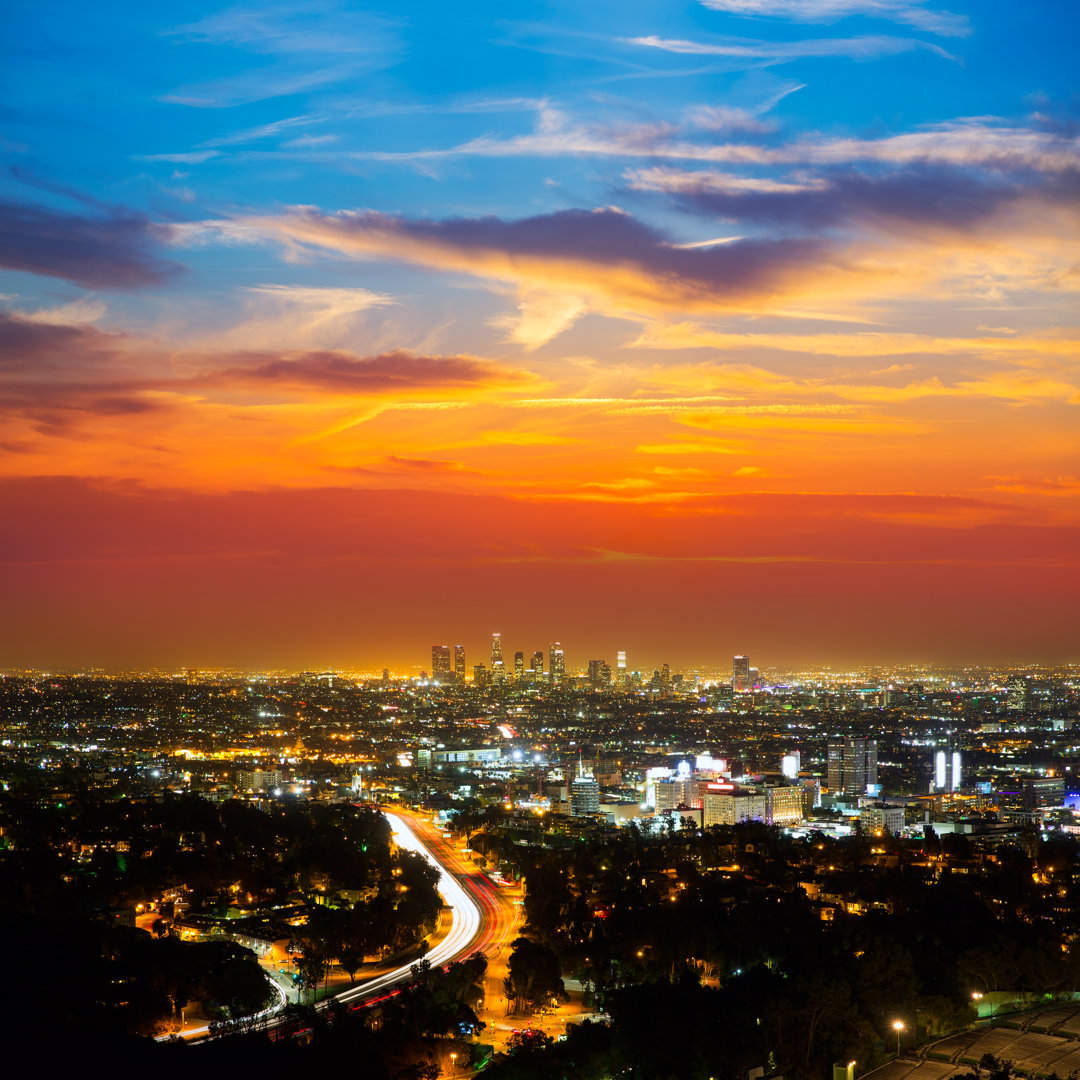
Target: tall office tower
x=665 y=679
x=519 y=666
x=584 y=794
x=440 y=663
x=740 y=674
x=496 y=649
x=596 y=676
x=556 y=662
x=538 y=663
x=459 y=663
x=620 y=669
x=480 y=676
x=946 y=771
x=852 y=765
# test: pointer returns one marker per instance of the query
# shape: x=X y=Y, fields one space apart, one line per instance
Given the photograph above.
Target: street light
x=898 y=1026
x=453 y=1065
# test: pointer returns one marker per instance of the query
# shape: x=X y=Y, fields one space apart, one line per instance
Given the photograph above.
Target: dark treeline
x=125 y=851
x=73 y=872
x=419 y=1033
x=710 y=957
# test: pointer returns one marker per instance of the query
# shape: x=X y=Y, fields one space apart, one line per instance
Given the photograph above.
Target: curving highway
x=466 y=918
x=478 y=920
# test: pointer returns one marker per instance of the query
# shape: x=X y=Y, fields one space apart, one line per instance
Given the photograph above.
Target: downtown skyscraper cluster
x=498 y=672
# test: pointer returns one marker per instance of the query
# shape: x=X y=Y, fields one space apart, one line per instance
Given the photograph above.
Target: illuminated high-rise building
x=947 y=771
x=584 y=794
x=538 y=663
x=496 y=649
x=440 y=663
x=852 y=765
x=599 y=674
x=740 y=674
x=556 y=662
x=519 y=666
x=459 y=663
x=621 y=677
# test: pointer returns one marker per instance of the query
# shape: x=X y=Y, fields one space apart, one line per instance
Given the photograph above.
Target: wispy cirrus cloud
x=866 y=47
x=312 y=45
x=279 y=316
x=971 y=142
x=701 y=182
x=908 y=12
x=1017 y=384
x=863 y=343
x=264 y=131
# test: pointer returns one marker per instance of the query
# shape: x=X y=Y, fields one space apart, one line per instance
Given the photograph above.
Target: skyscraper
x=440 y=663
x=621 y=677
x=740 y=674
x=538 y=663
x=584 y=794
x=946 y=771
x=459 y=663
x=519 y=666
x=599 y=674
x=852 y=765
x=496 y=649
x=556 y=662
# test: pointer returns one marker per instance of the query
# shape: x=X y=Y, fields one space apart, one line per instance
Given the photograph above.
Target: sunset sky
x=329 y=332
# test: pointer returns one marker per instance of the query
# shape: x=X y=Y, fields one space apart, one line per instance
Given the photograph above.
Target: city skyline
x=328 y=330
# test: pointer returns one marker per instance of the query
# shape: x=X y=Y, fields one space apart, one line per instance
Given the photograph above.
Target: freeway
x=481 y=919
x=467 y=918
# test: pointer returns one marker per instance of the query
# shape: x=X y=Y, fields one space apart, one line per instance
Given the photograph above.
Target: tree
x=534 y=976
x=312 y=967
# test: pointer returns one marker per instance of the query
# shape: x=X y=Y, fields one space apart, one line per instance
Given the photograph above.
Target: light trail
x=465 y=926
x=465 y=917
x=263 y=1017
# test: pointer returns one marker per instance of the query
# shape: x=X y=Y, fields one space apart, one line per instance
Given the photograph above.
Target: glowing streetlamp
x=898 y=1026
x=453 y=1065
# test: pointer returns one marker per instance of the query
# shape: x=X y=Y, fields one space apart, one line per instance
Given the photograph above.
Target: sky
x=332 y=331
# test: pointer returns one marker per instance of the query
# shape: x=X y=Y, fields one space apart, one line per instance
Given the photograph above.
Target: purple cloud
x=915 y=196
x=111 y=249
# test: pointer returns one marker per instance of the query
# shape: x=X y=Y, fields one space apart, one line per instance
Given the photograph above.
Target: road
x=470 y=909
x=481 y=917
